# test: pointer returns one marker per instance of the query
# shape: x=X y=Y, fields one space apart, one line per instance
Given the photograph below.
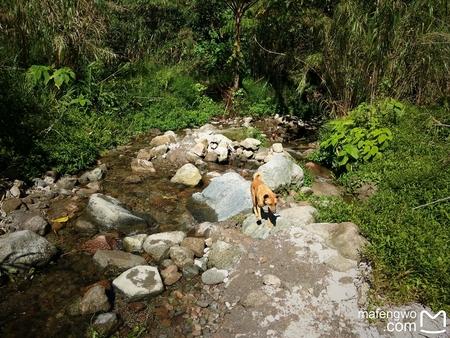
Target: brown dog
x=262 y=196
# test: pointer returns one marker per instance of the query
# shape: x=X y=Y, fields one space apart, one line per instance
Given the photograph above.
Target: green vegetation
x=409 y=242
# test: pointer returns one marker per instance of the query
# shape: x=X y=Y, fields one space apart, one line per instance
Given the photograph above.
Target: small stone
x=66 y=182
x=250 y=143
x=11 y=204
x=188 y=175
x=201 y=263
x=94 y=300
x=133 y=179
x=105 y=323
x=181 y=256
x=170 y=237
x=190 y=271
x=84 y=225
x=247 y=153
x=170 y=275
x=199 y=149
x=166 y=263
x=277 y=148
x=157 y=250
x=272 y=280
x=98 y=243
x=195 y=244
x=117 y=259
x=306 y=191
x=36 y=224
x=214 y=276
x=134 y=243
x=162 y=139
x=15 y=192
x=255 y=298
x=142 y=166
x=211 y=156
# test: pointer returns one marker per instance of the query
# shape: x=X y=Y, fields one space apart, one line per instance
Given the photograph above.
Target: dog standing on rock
x=262 y=196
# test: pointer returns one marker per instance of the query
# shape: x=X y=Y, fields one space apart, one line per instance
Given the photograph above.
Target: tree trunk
x=237 y=49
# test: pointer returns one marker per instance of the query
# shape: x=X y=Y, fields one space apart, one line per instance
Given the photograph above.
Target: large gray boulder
x=228 y=195
x=23 y=249
x=280 y=171
x=139 y=282
x=108 y=213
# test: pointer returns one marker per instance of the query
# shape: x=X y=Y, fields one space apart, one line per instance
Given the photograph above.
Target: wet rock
x=166 y=263
x=66 y=182
x=318 y=170
x=11 y=204
x=105 y=323
x=195 y=244
x=35 y=223
x=181 y=256
x=142 y=166
x=134 y=243
x=133 y=179
x=171 y=275
x=93 y=175
x=190 y=271
x=170 y=237
x=188 y=175
x=251 y=143
x=162 y=140
x=227 y=195
x=214 y=276
x=25 y=249
x=98 y=243
x=271 y=280
x=224 y=255
x=94 y=300
x=158 y=250
x=116 y=259
x=139 y=282
x=84 y=225
x=150 y=153
x=109 y=213
x=281 y=171
x=277 y=148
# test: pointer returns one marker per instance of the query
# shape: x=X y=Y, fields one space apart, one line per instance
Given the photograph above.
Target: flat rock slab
x=297 y=216
x=23 y=249
x=139 y=282
x=227 y=195
x=109 y=213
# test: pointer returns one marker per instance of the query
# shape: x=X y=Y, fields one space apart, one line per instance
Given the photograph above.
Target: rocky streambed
x=159 y=241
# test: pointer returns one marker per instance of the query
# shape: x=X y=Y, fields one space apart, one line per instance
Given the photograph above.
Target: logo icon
x=424 y=313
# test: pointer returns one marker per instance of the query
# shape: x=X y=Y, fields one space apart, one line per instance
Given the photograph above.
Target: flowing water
x=37 y=306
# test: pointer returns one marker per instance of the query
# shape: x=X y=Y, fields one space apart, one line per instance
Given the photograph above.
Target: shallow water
x=36 y=307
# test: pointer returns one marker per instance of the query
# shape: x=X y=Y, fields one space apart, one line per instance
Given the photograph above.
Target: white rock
x=134 y=243
x=188 y=175
x=277 y=148
x=250 y=143
x=139 y=282
x=142 y=166
x=272 y=280
x=170 y=237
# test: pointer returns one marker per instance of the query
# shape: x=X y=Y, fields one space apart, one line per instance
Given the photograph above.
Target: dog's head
x=271 y=201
